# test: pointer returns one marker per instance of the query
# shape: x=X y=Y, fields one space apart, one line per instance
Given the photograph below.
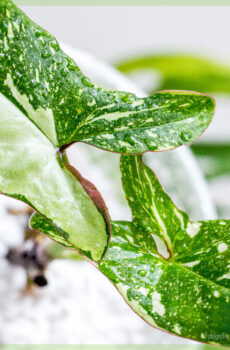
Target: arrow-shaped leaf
x=173 y=272
x=183 y=71
x=49 y=88
x=46 y=103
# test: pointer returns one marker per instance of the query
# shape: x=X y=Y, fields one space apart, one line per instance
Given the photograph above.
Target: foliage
x=173 y=272
x=161 y=262
x=46 y=103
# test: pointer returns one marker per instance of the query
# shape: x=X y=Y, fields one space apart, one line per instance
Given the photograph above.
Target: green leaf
x=32 y=171
x=46 y=103
x=49 y=88
x=182 y=71
x=173 y=272
x=54 y=250
x=37 y=222
x=213 y=158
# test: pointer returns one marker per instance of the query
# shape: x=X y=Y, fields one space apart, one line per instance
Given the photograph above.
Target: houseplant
x=113 y=121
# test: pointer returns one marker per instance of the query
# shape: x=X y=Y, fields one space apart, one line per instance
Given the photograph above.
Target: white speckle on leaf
x=6 y=44
x=92 y=103
x=46 y=83
x=192 y=263
x=137 y=103
x=177 y=329
x=52 y=51
x=130 y=238
x=180 y=217
x=143 y=291
x=123 y=143
x=223 y=223
x=216 y=294
x=193 y=228
x=10 y=31
x=107 y=136
x=37 y=75
x=157 y=306
x=226 y=276
x=161 y=247
x=222 y=247
x=17 y=27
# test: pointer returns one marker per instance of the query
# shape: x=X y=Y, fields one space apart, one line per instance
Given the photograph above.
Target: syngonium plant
x=47 y=103
x=172 y=272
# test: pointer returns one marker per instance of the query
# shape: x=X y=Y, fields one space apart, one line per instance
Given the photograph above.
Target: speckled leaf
x=31 y=170
x=181 y=71
x=46 y=103
x=50 y=89
x=173 y=272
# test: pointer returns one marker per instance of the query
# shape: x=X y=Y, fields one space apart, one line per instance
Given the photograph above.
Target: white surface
x=110 y=32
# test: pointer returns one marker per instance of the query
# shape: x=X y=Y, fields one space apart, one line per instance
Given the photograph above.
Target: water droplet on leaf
x=142 y=273
x=185 y=136
x=64 y=73
x=46 y=54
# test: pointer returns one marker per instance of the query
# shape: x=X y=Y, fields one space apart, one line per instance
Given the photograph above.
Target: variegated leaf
x=31 y=170
x=182 y=71
x=46 y=103
x=173 y=272
x=37 y=222
x=49 y=88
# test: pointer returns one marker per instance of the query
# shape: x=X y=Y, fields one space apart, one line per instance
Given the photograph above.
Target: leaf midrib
x=138 y=128
x=172 y=262
x=148 y=211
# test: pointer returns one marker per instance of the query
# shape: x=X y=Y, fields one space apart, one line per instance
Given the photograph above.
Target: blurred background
x=157 y=47
x=114 y=32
